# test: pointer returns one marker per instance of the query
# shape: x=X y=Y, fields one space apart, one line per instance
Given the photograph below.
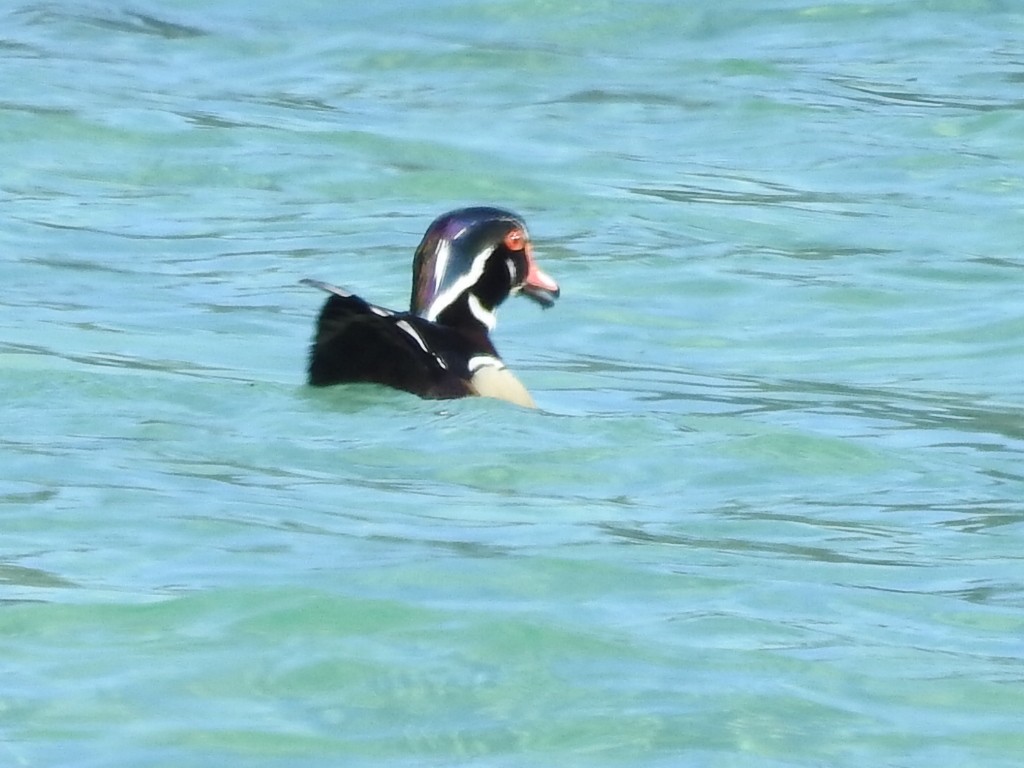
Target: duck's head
x=469 y=261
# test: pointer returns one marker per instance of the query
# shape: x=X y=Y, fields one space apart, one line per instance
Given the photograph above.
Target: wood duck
x=468 y=262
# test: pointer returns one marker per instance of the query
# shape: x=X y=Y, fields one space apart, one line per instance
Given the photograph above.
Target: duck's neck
x=469 y=314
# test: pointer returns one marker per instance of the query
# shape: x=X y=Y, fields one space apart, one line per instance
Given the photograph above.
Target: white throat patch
x=481 y=313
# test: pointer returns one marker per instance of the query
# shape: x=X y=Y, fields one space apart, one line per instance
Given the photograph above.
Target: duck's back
x=359 y=342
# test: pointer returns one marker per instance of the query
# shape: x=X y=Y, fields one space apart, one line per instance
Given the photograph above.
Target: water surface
x=768 y=513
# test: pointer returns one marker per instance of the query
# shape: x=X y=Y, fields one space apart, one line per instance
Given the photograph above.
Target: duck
x=468 y=262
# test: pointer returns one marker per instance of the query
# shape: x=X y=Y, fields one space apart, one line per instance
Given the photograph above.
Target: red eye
x=515 y=240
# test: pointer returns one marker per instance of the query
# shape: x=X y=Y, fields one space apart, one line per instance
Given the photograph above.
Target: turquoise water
x=769 y=513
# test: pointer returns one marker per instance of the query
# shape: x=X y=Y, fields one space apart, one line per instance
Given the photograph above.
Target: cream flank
x=490 y=378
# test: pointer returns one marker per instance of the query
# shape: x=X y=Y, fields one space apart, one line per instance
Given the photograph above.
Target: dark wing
x=360 y=342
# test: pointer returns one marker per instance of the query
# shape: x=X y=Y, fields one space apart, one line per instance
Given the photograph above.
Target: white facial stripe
x=444 y=253
x=464 y=283
x=480 y=313
x=484 y=361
